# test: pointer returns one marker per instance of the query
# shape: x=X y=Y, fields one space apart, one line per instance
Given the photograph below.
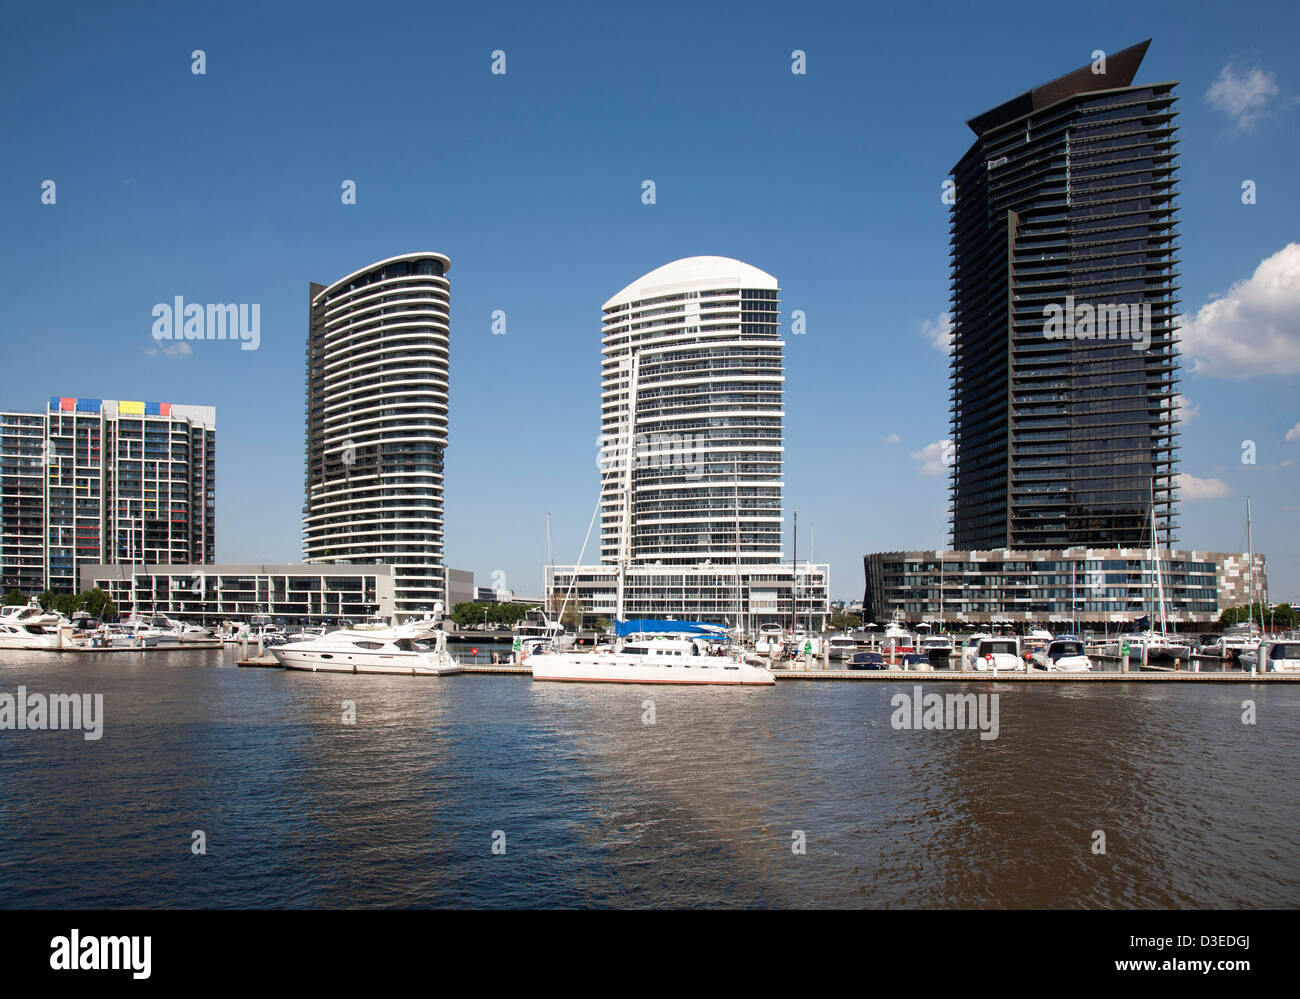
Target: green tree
x=506 y=613
x=572 y=617
x=1282 y=616
x=466 y=613
x=68 y=603
x=46 y=599
x=843 y=622
x=98 y=604
x=15 y=598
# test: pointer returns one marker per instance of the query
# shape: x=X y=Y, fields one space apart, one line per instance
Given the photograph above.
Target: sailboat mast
x=940 y=553
x=1250 y=568
x=547 y=574
x=1155 y=551
x=794 y=581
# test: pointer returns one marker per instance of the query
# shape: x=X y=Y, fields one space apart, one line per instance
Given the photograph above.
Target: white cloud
x=1293 y=434
x=1255 y=328
x=1245 y=98
x=935 y=458
x=893 y=439
x=178 y=348
x=1183 y=407
x=939 y=332
x=1193 y=490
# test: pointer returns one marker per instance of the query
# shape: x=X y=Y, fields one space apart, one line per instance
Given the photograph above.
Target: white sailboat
x=689 y=658
x=1150 y=645
x=652 y=651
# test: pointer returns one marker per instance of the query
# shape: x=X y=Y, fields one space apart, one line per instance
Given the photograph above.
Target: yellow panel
x=130 y=408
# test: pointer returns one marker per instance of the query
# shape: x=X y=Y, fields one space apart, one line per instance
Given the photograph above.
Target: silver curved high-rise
x=377 y=381
x=692 y=381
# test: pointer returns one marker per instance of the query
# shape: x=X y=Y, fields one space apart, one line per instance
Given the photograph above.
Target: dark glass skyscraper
x=1064 y=359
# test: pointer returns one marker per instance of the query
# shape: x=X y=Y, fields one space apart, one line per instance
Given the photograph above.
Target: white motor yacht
x=1065 y=654
x=841 y=646
x=1232 y=644
x=1278 y=657
x=131 y=634
x=938 y=644
x=179 y=631
x=896 y=642
x=30 y=615
x=1158 y=648
x=141 y=627
x=1037 y=639
x=999 y=653
x=536 y=625
x=14 y=635
x=770 y=639
x=417 y=649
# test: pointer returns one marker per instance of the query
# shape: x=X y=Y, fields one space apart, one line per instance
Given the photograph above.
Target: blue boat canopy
x=656 y=626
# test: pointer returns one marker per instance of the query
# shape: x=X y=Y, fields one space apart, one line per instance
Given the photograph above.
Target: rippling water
x=600 y=809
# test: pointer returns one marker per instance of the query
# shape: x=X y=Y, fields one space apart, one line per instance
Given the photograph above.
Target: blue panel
x=152 y=409
x=89 y=405
x=655 y=626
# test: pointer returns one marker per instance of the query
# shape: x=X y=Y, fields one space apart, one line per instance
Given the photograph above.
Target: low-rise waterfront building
x=1092 y=587
x=209 y=594
x=716 y=594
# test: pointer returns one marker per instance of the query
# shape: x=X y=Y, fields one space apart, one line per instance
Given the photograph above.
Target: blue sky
x=225 y=187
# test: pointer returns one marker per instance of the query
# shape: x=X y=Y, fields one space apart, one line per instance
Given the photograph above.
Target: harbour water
x=595 y=806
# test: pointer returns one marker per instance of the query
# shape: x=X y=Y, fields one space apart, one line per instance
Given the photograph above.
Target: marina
x=673 y=652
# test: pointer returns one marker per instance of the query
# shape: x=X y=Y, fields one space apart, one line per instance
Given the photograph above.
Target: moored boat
x=1065 y=654
x=676 y=652
x=1278 y=657
x=27 y=636
x=995 y=653
x=896 y=642
x=841 y=646
x=416 y=649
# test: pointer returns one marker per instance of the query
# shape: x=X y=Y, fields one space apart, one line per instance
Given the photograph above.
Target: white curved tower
x=377 y=381
x=692 y=377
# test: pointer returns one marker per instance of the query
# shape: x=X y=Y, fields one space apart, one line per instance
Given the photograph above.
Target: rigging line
x=574 y=581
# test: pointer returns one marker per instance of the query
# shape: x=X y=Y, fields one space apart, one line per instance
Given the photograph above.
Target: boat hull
x=410 y=664
x=1066 y=664
x=46 y=642
x=625 y=669
x=1001 y=663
